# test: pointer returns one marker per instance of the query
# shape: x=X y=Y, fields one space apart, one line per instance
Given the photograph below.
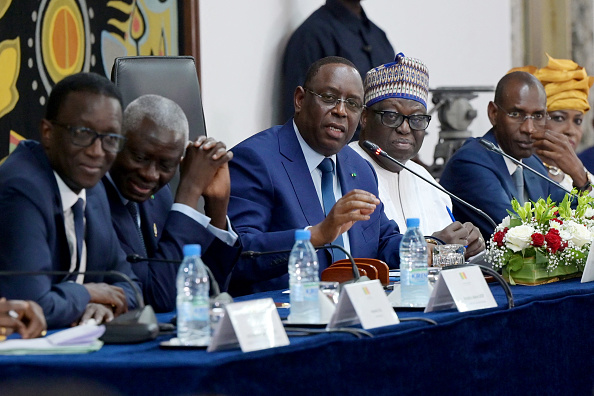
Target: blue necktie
x=327 y=167
x=133 y=209
x=79 y=228
x=518 y=177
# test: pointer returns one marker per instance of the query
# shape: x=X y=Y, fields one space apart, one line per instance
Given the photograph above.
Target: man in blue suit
x=54 y=212
x=488 y=180
x=146 y=219
x=276 y=186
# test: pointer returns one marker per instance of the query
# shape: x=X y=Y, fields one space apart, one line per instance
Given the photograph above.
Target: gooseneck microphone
x=377 y=150
x=223 y=298
x=135 y=326
x=356 y=276
x=492 y=147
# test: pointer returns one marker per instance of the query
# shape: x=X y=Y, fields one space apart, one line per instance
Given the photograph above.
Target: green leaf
x=541 y=257
x=516 y=262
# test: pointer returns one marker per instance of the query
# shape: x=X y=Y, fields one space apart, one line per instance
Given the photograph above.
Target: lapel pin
x=155 y=229
x=152 y=197
x=353 y=175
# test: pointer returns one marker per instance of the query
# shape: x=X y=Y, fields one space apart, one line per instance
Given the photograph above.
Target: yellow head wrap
x=566 y=83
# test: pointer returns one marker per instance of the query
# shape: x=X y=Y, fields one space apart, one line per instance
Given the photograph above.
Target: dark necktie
x=327 y=166
x=133 y=209
x=79 y=228
x=518 y=177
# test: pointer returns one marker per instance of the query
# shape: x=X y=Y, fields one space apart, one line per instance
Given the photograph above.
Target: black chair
x=173 y=77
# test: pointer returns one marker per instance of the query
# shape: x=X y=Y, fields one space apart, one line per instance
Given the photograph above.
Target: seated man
x=23 y=317
x=396 y=120
x=54 y=212
x=486 y=179
x=144 y=215
x=277 y=187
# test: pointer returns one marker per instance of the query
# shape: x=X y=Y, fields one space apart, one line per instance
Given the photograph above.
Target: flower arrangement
x=541 y=241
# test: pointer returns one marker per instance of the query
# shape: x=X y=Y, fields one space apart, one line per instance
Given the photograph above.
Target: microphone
x=218 y=297
x=377 y=150
x=492 y=147
x=356 y=276
x=134 y=326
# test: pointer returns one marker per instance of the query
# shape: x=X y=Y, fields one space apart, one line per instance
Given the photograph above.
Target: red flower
x=498 y=237
x=557 y=220
x=553 y=240
x=537 y=239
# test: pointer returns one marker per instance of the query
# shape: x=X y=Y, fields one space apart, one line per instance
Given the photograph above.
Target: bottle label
x=418 y=276
x=305 y=291
x=194 y=310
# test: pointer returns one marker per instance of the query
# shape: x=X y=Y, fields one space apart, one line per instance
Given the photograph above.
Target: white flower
x=589 y=212
x=518 y=238
x=579 y=234
x=506 y=220
x=554 y=224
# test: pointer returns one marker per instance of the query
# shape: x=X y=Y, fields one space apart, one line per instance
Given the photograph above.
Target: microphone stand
x=134 y=326
x=492 y=147
x=377 y=150
x=356 y=276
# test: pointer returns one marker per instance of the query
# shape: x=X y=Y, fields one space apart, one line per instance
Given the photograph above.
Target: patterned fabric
x=406 y=78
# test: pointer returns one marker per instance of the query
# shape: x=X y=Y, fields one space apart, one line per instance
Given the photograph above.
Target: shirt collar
x=68 y=196
x=312 y=157
x=124 y=200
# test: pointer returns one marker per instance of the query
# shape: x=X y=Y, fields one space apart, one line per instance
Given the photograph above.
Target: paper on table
x=80 y=339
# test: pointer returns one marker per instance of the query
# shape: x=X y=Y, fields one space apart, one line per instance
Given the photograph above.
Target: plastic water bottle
x=413 y=266
x=304 y=280
x=193 y=320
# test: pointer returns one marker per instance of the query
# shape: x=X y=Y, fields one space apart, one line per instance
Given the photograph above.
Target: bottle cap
x=412 y=222
x=192 y=250
x=302 y=234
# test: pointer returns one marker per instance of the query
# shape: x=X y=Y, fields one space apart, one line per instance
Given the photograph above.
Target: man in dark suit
x=147 y=220
x=276 y=186
x=54 y=212
x=490 y=181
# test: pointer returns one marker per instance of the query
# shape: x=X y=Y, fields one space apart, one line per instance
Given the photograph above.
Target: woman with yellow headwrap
x=567 y=86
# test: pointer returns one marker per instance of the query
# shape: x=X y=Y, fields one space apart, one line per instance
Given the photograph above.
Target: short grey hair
x=165 y=113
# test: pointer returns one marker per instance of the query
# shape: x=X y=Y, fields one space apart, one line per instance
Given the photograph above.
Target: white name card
x=588 y=275
x=254 y=324
x=365 y=303
x=463 y=288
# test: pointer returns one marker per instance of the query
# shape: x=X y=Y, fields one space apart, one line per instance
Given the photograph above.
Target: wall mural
x=41 y=42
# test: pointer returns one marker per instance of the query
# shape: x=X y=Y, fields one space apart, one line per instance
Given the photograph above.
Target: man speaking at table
x=300 y=174
x=148 y=220
x=55 y=215
x=486 y=179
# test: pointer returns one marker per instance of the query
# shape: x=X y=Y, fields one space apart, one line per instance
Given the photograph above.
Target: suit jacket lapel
x=296 y=168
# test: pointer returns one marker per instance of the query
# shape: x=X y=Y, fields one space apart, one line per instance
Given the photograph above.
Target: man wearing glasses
x=54 y=212
x=487 y=179
x=301 y=175
x=395 y=118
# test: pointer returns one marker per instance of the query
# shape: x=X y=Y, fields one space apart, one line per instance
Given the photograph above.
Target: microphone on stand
x=356 y=276
x=492 y=147
x=135 y=326
x=218 y=297
x=377 y=150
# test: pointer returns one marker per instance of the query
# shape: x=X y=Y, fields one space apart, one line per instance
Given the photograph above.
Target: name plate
x=365 y=303
x=588 y=275
x=462 y=288
x=254 y=324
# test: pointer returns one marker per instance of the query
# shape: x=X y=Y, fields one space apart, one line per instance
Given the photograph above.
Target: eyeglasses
x=333 y=100
x=520 y=117
x=391 y=119
x=85 y=137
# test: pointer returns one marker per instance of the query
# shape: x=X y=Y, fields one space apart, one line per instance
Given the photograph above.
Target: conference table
x=541 y=346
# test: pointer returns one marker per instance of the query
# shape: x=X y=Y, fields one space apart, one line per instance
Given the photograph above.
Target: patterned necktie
x=518 y=177
x=133 y=209
x=327 y=166
x=79 y=228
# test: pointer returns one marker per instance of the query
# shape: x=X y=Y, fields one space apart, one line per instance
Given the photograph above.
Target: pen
x=450 y=213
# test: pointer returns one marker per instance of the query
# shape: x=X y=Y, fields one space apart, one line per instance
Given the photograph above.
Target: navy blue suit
x=33 y=238
x=272 y=194
x=165 y=233
x=481 y=178
x=587 y=157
